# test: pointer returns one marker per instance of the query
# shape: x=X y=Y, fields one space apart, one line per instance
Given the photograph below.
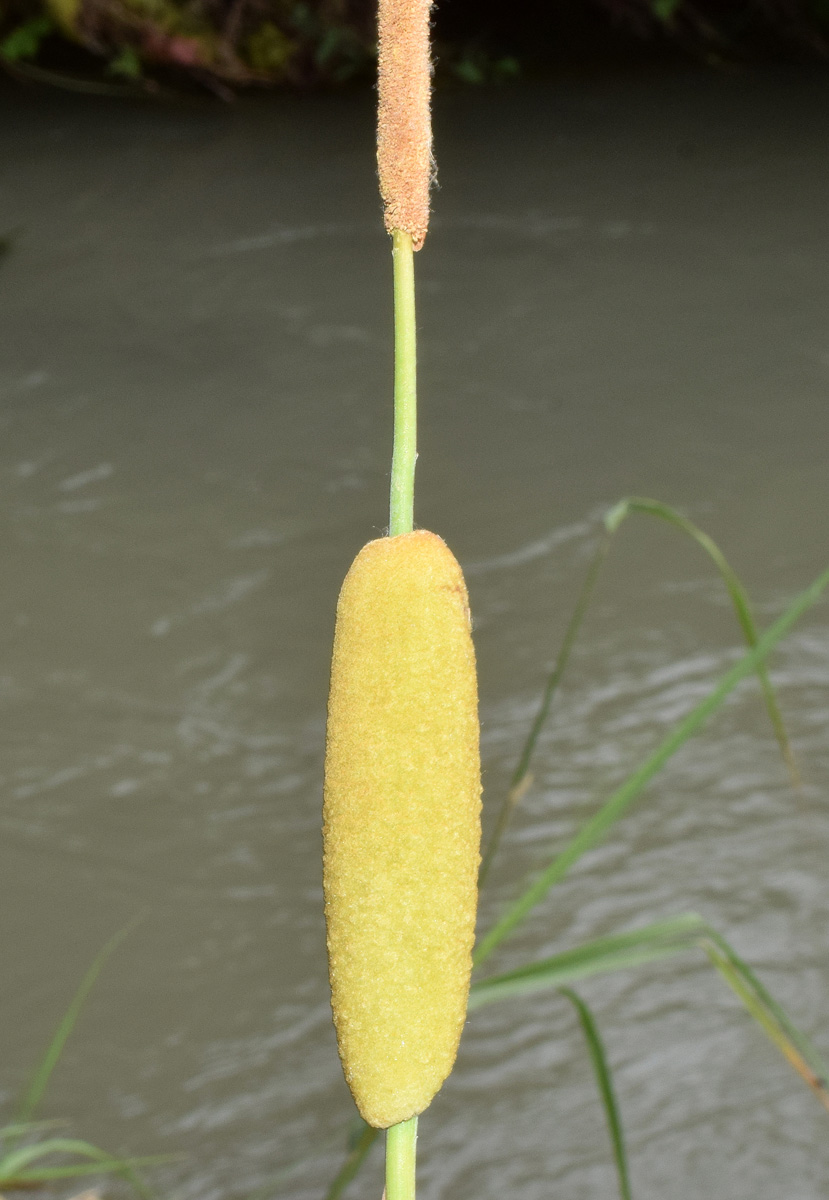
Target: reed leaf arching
x=521 y=777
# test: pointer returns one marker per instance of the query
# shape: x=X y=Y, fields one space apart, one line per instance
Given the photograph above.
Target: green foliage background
x=232 y=42
x=226 y=44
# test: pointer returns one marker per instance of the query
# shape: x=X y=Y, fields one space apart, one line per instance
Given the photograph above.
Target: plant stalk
x=401 y=1143
x=404 y=454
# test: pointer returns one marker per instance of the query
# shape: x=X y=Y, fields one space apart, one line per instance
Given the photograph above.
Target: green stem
x=401 y=1139
x=401 y=1143
x=404 y=455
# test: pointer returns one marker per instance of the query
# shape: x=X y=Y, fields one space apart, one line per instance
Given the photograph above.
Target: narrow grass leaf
x=659 y=940
x=604 y=1079
x=29 y=1127
x=107 y=1166
x=17 y=1160
x=24 y=1166
x=42 y=1074
x=521 y=777
x=764 y=996
x=596 y=828
x=737 y=593
x=130 y=1174
x=618 y=952
x=792 y=1043
x=274 y=1185
x=357 y=1154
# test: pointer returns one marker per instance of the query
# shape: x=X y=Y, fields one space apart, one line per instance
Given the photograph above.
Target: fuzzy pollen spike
x=404 y=128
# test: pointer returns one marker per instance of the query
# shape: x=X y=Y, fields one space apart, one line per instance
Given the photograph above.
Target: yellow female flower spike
x=401 y=822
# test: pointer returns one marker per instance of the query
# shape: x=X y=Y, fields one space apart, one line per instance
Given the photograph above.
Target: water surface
x=624 y=291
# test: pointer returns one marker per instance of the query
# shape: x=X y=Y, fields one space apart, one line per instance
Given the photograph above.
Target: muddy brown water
x=624 y=292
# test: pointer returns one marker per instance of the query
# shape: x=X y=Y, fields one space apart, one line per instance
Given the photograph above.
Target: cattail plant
x=402 y=771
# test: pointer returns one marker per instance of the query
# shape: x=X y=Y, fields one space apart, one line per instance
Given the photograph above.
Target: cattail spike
x=402 y=822
x=404 y=128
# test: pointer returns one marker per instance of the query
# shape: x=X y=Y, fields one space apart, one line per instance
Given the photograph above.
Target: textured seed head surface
x=401 y=822
x=404 y=128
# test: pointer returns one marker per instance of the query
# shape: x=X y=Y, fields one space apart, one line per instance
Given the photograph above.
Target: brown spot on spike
x=404 y=129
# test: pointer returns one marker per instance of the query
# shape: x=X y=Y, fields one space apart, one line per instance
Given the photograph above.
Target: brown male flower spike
x=404 y=130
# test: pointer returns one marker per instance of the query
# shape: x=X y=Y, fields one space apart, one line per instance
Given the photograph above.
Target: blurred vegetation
x=229 y=44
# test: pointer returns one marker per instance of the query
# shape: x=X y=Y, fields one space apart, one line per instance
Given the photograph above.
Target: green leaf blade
x=618 y=952
x=742 y=609
x=604 y=1080
x=43 y=1072
x=356 y=1156
x=597 y=827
